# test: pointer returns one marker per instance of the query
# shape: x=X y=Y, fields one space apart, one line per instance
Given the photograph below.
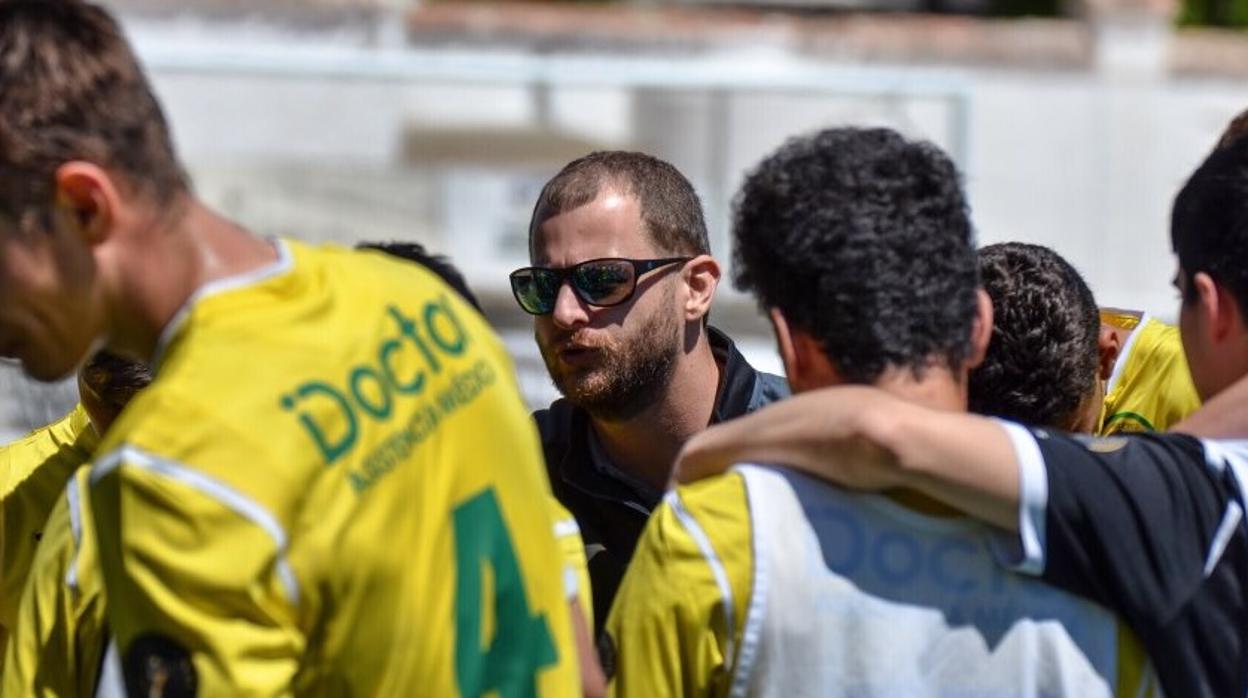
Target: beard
x=630 y=375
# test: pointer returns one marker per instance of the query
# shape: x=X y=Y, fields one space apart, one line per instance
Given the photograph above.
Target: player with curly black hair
x=1151 y=526
x=892 y=219
x=1043 y=363
x=766 y=581
x=1056 y=360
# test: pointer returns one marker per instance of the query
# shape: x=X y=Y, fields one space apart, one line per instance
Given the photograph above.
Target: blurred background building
x=1074 y=122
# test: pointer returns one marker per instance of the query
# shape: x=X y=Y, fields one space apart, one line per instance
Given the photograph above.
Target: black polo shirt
x=610 y=506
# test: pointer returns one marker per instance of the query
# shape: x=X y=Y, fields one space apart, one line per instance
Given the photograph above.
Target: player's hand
x=709 y=453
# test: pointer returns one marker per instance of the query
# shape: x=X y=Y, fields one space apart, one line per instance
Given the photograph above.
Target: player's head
x=859 y=244
x=106 y=383
x=1237 y=129
x=436 y=263
x=1043 y=362
x=621 y=282
x=669 y=208
x=1209 y=232
x=84 y=152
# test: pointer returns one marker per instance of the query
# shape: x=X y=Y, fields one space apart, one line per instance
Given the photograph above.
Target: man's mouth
x=577 y=354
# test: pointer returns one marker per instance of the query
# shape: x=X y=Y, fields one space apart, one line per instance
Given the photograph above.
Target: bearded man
x=620 y=288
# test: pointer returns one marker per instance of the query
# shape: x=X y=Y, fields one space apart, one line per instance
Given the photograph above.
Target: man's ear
x=1109 y=346
x=805 y=362
x=784 y=343
x=1218 y=308
x=88 y=199
x=981 y=329
x=701 y=275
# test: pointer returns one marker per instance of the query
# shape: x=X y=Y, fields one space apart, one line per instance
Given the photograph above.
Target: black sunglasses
x=598 y=282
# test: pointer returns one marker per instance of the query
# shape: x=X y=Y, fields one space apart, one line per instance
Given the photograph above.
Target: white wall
x=1086 y=162
x=302 y=133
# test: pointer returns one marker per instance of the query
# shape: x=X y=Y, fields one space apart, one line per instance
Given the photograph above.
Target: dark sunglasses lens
x=604 y=283
x=535 y=290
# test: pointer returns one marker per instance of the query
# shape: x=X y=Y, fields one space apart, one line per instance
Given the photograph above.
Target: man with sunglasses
x=620 y=287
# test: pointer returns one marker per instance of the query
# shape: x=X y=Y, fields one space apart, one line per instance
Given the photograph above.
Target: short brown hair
x=670 y=209
x=72 y=89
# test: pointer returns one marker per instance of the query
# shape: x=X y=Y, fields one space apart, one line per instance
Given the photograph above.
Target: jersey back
x=333 y=487
x=856 y=595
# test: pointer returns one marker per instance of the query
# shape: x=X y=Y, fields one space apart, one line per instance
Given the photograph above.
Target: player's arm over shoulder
x=677 y=618
x=194 y=561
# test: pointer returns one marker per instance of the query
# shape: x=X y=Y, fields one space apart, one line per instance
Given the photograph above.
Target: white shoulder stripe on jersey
x=223 y=493
x=1220 y=455
x=566 y=527
x=110 y=683
x=751 y=635
x=1033 y=482
x=712 y=558
x=285 y=262
x=73 y=499
x=1124 y=353
x=1230 y=520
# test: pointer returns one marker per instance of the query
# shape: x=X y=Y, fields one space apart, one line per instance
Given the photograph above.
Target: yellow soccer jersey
x=33 y=473
x=58 y=642
x=1150 y=388
x=669 y=626
x=678 y=626
x=332 y=488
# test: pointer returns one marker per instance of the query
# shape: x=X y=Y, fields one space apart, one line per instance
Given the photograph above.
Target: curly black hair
x=114 y=379
x=1209 y=223
x=862 y=239
x=1044 y=355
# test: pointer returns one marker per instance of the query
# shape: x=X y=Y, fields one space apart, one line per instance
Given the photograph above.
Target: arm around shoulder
x=865 y=439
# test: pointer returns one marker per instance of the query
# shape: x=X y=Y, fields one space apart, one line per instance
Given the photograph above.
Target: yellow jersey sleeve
x=193 y=568
x=575 y=564
x=680 y=610
x=58 y=640
x=33 y=474
x=1151 y=388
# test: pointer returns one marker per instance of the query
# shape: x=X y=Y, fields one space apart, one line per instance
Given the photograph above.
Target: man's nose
x=570 y=311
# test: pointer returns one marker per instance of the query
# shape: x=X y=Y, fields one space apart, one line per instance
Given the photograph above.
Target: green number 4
x=522 y=644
